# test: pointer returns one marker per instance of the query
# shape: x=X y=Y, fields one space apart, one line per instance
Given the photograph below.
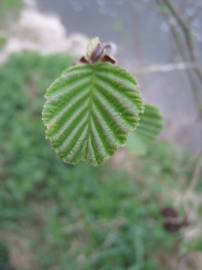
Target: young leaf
x=91 y=46
x=151 y=123
x=89 y=111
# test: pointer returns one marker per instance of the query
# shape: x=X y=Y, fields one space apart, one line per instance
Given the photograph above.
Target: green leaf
x=151 y=123
x=90 y=110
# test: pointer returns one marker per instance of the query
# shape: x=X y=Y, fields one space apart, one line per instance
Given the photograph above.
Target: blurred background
x=136 y=212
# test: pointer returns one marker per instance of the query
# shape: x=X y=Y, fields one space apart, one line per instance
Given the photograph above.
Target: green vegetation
x=3 y=41
x=77 y=217
x=8 y=11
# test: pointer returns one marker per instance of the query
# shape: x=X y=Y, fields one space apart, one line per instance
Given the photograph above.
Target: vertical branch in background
x=187 y=33
x=188 y=41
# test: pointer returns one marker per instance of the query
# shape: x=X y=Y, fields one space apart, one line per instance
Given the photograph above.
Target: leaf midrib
x=90 y=111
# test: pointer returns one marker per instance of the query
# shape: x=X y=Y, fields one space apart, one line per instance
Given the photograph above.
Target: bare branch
x=166 y=68
x=189 y=55
x=184 y=27
x=196 y=173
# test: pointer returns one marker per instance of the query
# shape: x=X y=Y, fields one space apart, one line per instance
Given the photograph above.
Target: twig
x=166 y=68
x=186 y=32
x=186 y=55
x=196 y=174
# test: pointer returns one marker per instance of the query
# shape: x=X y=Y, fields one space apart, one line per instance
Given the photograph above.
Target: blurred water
x=143 y=38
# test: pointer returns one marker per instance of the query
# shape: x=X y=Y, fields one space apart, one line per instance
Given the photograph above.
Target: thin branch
x=186 y=55
x=196 y=174
x=166 y=68
x=186 y=32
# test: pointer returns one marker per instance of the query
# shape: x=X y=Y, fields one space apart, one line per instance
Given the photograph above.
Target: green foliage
x=195 y=245
x=75 y=217
x=149 y=128
x=104 y=224
x=9 y=5
x=4 y=257
x=22 y=82
x=89 y=111
x=8 y=10
x=3 y=41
